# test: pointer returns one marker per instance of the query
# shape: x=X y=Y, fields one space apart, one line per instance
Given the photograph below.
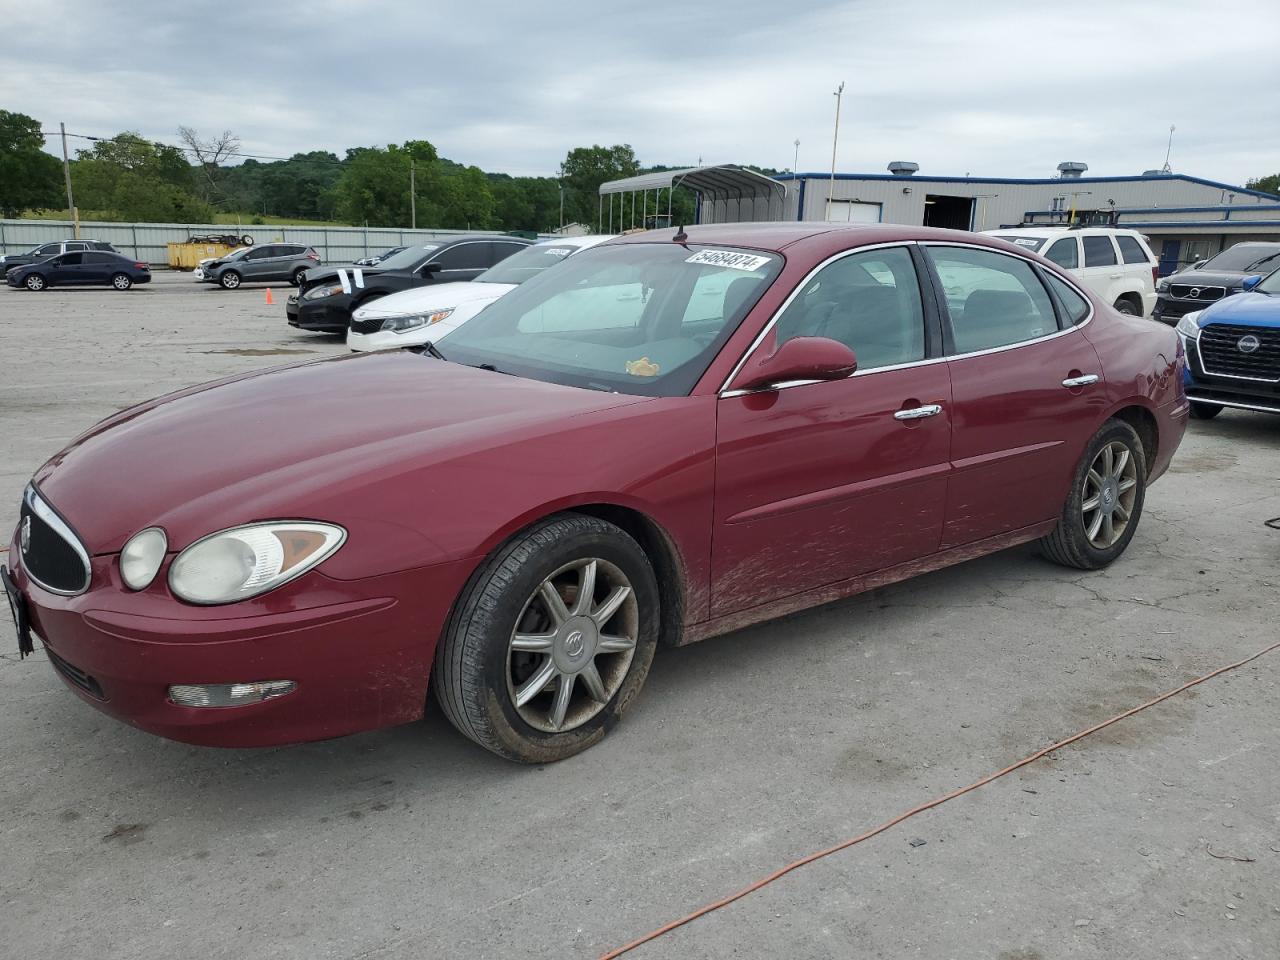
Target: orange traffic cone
x=269 y=300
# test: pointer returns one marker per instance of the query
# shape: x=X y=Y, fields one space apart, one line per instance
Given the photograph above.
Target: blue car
x=76 y=269
x=1233 y=351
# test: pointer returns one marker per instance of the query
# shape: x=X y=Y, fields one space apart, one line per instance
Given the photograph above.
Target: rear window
x=1131 y=250
x=1098 y=251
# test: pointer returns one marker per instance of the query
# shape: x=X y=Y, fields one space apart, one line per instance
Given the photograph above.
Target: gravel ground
x=1158 y=838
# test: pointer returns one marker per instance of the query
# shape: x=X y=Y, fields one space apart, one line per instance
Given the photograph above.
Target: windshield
x=1271 y=284
x=1246 y=258
x=1028 y=243
x=528 y=262
x=643 y=319
x=408 y=258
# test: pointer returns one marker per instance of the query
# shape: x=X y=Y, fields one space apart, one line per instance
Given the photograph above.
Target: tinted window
x=465 y=256
x=48 y=250
x=291 y=250
x=1131 y=250
x=500 y=250
x=1098 y=252
x=257 y=253
x=1065 y=253
x=77 y=246
x=868 y=301
x=99 y=258
x=71 y=259
x=1076 y=306
x=993 y=299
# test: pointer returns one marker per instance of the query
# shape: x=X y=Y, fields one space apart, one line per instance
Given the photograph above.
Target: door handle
x=1083 y=381
x=1116 y=276
x=918 y=413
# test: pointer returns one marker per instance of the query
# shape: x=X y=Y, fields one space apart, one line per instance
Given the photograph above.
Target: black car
x=328 y=297
x=1211 y=280
x=79 y=269
x=52 y=249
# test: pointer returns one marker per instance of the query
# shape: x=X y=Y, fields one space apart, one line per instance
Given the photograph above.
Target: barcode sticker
x=729 y=258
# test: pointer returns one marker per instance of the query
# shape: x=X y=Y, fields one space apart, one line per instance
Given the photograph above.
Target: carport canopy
x=716 y=187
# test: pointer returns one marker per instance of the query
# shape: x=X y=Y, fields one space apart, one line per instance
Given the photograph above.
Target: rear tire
x=1105 y=503
x=1204 y=411
x=503 y=636
x=122 y=281
x=296 y=279
x=1127 y=307
x=230 y=280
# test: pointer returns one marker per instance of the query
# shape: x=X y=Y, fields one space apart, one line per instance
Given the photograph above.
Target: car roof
x=1030 y=229
x=779 y=236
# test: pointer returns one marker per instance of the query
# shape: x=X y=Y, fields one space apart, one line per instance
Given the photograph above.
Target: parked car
x=1114 y=264
x=329 y=297
x=420 y=314
x=1233 y=351
x=1214 y=279
x=296 y=553
x=259 y=264
x=46 y=250
x=377 y=258
x=80 y=269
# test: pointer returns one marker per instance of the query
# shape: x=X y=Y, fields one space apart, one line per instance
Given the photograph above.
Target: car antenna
x=681 y=236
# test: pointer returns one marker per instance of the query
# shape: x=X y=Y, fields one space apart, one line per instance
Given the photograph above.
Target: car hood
x=328 y=273
x=441 y=296
x=1257 y=309
x=311 y=440
x=1208 y=278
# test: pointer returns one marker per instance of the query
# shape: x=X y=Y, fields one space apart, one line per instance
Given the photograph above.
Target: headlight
x=245 y=561
x=1162 y=285
x=1188 y=327
x=141 y=558
x=412 y=321
x=315 y=293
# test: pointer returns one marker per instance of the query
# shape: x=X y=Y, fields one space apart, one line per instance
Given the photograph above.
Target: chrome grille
x=1224 y=351
x=51 y=553
x=1187 y=291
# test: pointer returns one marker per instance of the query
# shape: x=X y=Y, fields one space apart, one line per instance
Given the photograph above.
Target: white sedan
x=414 y=317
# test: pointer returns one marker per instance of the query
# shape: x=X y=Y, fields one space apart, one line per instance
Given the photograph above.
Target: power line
x=246 y=156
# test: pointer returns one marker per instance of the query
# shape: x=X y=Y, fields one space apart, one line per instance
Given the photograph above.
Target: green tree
x=374 y=186
x=525 y=203
x=582 y=172
x=129 y=178
x=1269 y=184
x=30 y=179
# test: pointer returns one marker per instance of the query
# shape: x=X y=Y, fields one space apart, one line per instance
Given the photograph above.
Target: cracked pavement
x=1158 y=837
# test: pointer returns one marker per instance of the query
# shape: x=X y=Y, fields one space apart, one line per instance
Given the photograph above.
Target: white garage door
x=853 y=211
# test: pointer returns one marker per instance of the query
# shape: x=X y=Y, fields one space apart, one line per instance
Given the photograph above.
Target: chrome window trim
x=726 y=393
x=35 y=503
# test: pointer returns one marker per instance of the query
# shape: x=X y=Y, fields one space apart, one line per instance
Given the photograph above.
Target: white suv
x=1116 y=265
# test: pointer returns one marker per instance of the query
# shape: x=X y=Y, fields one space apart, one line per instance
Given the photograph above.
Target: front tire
x=1102 y=511
x=1205 y=411
x=230 y=280
x=122 y=281
x=550 y=641
x=35 y=282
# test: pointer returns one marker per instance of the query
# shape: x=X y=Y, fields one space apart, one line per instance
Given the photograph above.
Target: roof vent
x=1071 y=169
x=903 y=168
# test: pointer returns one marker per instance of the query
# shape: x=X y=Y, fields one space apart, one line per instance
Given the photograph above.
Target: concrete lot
x=1158 y=838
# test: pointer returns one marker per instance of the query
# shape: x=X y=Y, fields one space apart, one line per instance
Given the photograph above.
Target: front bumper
x=326 y=315
x=359 y=651
x=1170 y=310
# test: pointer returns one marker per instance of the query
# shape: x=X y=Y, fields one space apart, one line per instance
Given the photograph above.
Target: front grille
x=1187 y=291
x=52 y=554
x=1221 y=353
x=367 y=325
x=76 y=676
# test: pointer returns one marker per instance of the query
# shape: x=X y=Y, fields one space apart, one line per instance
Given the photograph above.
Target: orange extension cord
x=778 y=874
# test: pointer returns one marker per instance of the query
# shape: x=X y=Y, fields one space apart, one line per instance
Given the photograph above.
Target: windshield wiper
x=430 y=350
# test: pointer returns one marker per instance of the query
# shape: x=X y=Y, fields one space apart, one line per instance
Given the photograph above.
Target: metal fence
x=148 y=242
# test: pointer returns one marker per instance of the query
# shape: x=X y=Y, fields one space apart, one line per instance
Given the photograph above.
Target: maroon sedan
x=665 y=438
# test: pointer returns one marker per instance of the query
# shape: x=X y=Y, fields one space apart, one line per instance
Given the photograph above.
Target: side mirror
x=1198 y=264
x=431 y=268
x=801 y=358
x=1250 y=282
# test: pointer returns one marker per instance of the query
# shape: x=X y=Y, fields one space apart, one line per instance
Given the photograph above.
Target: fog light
x=229 y=694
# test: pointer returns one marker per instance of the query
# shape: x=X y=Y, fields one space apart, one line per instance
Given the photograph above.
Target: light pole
x=66 y=173
x=835 y=137
x=795 y=164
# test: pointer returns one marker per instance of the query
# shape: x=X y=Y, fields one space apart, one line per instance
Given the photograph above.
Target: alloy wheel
x=572 y=645
x=1110 y=489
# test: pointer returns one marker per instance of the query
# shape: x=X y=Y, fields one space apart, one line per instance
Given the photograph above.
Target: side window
x=70 y=259
x=1098 y=251
x=1077 y=307
x=994 y=300
x=465 y=256
x=257 y=253
x=77 y=246
x=1131 y=250
x=1065 y=253
x=99 y=258
x=868 y=301
x=49 y=250
x=500 y=250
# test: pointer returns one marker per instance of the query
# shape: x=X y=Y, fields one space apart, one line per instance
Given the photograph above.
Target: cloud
x=1002 y=88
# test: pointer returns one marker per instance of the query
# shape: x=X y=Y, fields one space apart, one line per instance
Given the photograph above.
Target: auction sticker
x=728 y=258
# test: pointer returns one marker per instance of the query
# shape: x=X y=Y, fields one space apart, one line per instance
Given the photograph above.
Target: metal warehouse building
x=1185 y=218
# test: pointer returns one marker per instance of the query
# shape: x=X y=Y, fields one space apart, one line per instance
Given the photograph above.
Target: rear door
x=1027 y=393
x=820 y=482
x=98 y=267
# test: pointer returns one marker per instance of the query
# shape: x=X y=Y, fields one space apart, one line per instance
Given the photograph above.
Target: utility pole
x=835 y=137
x=413 y=198
x=66 y=173
x=561 y=186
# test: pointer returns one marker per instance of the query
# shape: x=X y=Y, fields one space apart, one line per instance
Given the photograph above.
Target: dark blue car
x=78 y=269
x=1233 y=351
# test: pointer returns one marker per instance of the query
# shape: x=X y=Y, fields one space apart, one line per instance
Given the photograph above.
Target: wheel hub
x=575 y=644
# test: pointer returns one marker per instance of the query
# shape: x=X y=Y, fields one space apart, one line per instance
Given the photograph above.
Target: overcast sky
x=987 y=87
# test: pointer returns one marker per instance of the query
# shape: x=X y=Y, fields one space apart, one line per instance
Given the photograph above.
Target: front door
x=820 y=482
x=68 y=269
x=1027 y=394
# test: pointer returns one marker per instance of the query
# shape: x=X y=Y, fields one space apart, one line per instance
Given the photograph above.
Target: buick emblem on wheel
x=1248 y=343
x=24 y=536
x=573 y=644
